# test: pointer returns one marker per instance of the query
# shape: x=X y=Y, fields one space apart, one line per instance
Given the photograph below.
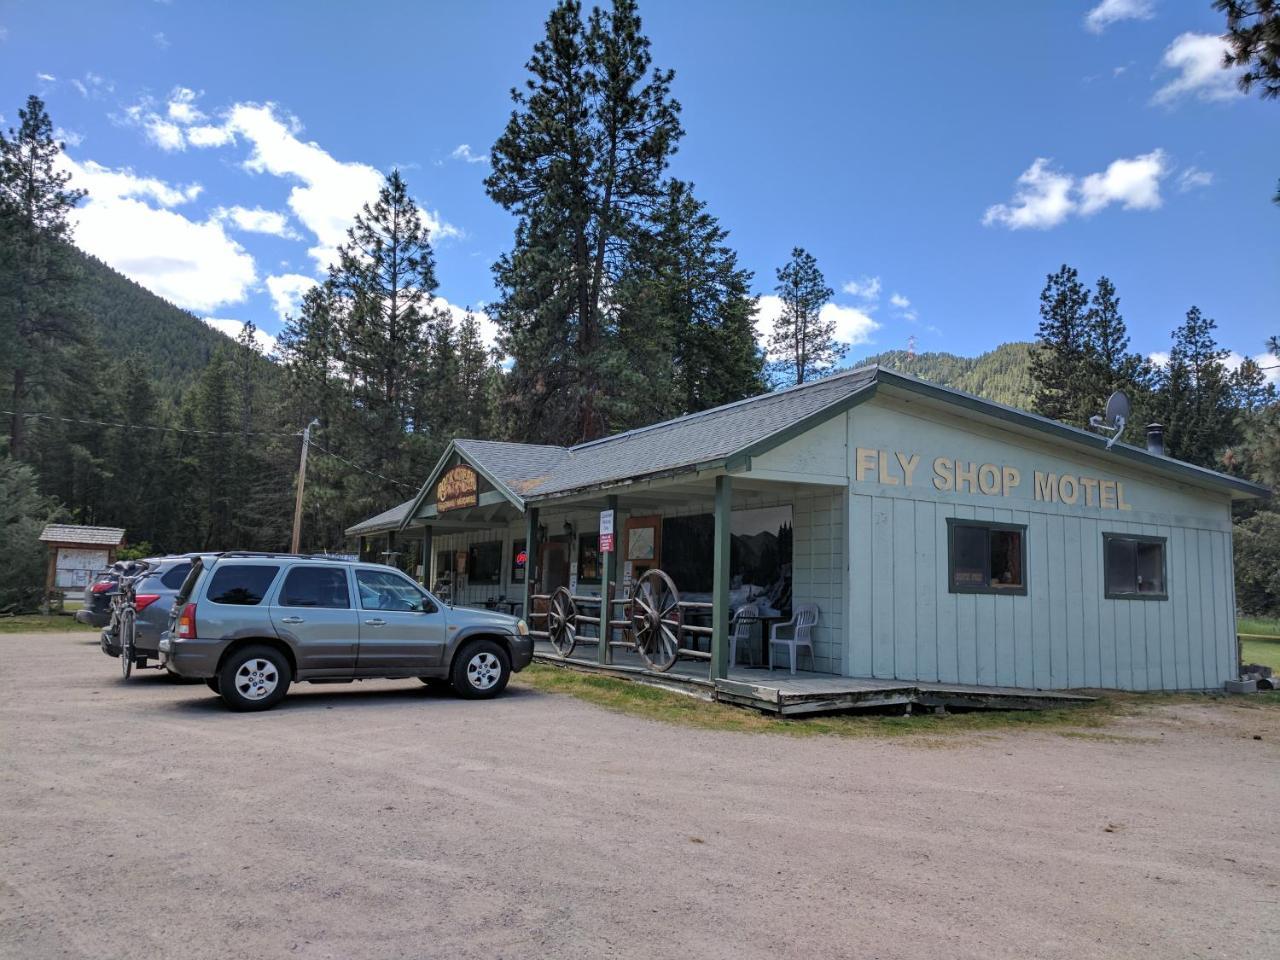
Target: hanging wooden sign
x=457 y=489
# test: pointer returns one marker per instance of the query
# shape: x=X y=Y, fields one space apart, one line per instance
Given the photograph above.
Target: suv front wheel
x=480 y=670
x=254 y=678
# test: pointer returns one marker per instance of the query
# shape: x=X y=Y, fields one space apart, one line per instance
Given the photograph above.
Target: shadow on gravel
x=306 y=696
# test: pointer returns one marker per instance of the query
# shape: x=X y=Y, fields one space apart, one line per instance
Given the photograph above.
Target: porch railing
x=653 y=623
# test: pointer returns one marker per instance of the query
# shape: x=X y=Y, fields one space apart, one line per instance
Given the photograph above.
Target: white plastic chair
x=803 y=619
x=742 y=621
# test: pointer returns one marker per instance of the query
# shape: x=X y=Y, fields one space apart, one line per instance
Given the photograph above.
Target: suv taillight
x=187 y=622
x=143 y=600
x=102 y=587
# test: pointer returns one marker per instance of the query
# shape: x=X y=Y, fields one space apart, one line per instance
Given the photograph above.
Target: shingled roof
x=689 y=440
x=391 y=519
x=89 y=536
x=737 y=431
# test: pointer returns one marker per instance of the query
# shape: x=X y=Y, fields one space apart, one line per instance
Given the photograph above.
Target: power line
x=144 y=426
x=356 y=466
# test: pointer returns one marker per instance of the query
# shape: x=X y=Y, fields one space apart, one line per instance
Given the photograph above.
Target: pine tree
x=1253 y=38
x=689 y=318
x=1195 y=394
x=474 y=366
x=386 y=277
x=803 y=343
x=1112 y=366
x=580 y=164
x=1063 y=362
x=38 y=313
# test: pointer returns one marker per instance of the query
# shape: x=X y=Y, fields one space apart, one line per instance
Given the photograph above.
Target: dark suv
x=251 y=624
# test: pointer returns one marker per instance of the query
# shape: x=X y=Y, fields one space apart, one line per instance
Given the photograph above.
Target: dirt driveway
x=378 y=820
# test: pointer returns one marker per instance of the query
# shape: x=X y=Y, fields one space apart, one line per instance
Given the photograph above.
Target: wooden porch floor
x=782 y=693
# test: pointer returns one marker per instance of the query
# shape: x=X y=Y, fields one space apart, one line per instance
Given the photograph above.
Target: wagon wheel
x=656 y=620
x=562 y=621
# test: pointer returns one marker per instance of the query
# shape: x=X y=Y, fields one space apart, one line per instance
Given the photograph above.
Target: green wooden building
x=943 y=538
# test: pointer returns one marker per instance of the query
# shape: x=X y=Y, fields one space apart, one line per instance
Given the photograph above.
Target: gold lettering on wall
x=893 y=468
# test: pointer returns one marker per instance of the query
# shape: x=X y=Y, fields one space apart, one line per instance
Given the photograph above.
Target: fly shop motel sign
x=894 y=468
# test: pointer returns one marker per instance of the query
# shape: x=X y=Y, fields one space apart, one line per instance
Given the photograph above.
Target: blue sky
x=937 y=160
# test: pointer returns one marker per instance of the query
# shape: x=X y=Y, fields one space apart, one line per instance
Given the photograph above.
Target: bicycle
x=123 y=628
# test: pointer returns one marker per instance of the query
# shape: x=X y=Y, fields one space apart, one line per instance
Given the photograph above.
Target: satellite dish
x=1117 y=410
x=1115 y=417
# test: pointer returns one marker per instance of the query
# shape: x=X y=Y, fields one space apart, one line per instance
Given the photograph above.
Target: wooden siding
x=906 y=624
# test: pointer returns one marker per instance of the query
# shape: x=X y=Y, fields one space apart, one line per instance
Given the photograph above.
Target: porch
x=782 y=693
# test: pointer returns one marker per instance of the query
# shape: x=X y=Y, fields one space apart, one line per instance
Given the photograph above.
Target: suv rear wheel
x=480 y=670
x=254 y=678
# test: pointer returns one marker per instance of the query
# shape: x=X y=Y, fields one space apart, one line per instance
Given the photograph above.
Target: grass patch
x=1259 y=626
x=38 y=623
x=1265 y=652
x=653 y=703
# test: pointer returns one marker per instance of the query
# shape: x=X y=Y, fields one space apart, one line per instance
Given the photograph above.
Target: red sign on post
x=606 y=531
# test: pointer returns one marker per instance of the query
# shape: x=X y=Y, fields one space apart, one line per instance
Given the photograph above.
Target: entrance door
x=642 y=545
x=553 y=564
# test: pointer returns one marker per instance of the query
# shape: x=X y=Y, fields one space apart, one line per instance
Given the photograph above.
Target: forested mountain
x=1002 y=374
x=172 y=345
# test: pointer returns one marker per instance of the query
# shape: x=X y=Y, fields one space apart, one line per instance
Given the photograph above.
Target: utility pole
x=302 y=482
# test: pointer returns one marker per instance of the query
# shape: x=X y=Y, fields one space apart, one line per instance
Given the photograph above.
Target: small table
x=766 y=621
x=510 y=605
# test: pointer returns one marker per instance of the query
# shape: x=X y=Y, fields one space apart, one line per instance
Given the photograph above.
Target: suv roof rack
x=280 y=555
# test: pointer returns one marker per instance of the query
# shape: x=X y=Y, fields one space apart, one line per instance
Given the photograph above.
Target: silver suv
x=251 y=624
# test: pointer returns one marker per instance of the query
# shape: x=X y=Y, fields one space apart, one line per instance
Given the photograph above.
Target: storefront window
x=987 y=557
x=484 y=562
x=1134 y=567
x=588 y=558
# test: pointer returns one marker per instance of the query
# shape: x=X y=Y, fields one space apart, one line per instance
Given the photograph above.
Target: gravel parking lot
x=142 y=820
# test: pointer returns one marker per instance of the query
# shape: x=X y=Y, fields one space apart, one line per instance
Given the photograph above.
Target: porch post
x=428 y=542
x=720 y=580
x=530 y=563
x=608 y=575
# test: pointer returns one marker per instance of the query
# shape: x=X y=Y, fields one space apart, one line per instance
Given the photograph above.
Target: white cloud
x=92 y=86
x=329 y=193
x=265 y=342
x=853 y=326
x=103 y=183
x=868 y=288
x=463 y=152
x=46 y=77
x=1198 y=59
x=165 y=135
x=257 y=220
x=899 y=301
x=192 y=264
x=1194 y=178
x=1046 y=197
x=1041 y=201
x=161 y=40
x=1134 y=184
x=68 y=138
x=182 y=105
x=209 y=136
x=287 y=291
x=1113 y=11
